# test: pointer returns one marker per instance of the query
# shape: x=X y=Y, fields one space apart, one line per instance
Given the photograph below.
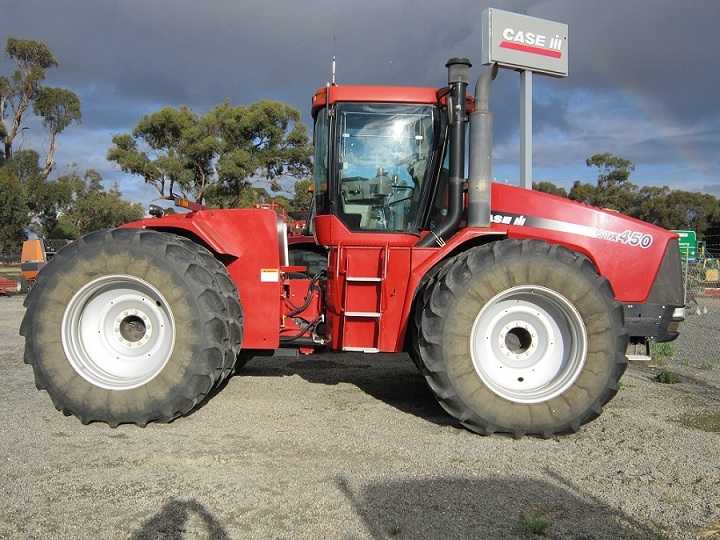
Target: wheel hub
x=134 y=328
x=518 y=340
x=528 y=344
x=118 y=332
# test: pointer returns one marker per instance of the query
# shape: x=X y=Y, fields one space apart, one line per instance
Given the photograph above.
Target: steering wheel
x=392 y=203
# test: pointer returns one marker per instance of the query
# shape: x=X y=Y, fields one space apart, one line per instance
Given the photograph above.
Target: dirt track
x=338 y=446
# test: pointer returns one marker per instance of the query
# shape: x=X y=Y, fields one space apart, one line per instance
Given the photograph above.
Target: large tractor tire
x=131 y=326
x=520 y=337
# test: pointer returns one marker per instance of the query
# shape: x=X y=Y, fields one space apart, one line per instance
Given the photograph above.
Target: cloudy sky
x=644 y=74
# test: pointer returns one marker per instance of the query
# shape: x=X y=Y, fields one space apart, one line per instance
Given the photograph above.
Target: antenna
x=334 y=48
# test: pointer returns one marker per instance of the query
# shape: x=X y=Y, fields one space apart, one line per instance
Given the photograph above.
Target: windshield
x=383 y=153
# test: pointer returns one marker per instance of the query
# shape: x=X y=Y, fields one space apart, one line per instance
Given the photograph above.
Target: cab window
x=320 y=159
x=383 y=154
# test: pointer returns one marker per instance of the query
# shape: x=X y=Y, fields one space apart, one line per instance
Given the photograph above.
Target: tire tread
x=204 y=275
x=432 y=305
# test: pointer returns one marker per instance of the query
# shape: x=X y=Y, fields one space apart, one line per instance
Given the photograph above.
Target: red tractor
x=517 y=306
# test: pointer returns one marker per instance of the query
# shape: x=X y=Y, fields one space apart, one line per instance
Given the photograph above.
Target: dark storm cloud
x=128 y=57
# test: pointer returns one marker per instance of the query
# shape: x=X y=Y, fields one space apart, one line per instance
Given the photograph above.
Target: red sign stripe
x=530 y=49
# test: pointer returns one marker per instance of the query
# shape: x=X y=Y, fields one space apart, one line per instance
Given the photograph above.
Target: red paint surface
x=420 y=95
x=295 y=291
x=630 y=270
x=530 y=49
x=7 y=286
x=378 y=94
x=248 y=238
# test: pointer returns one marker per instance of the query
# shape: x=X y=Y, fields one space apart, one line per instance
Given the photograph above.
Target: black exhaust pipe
x=458 y=77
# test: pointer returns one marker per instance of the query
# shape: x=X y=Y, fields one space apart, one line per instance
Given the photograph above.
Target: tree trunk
x=17 y=123
x=50 y=159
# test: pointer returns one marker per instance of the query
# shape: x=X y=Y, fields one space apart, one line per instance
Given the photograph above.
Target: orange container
x=32 y=259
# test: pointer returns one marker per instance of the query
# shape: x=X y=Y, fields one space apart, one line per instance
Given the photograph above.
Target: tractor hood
x=627 y=251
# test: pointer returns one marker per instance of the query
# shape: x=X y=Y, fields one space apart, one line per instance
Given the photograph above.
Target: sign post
x=528 y=45
x=526 y=81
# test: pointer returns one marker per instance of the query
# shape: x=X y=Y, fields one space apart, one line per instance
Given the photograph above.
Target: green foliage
x=534 y=522
x=166 y=135
x=583 y=192
x=613 y=170
x=24 y=165
x=549 y=187
x=70 y=205
x=661 y=351
x=14 y=215
x=94 y=210
x=93 y=180
x=58 y=108
x=43 y=199
x=217 y=156
x=66 y=207
x=30 y=54
x=303 y=194
x=668 y=208
x=4 y=86
x=614 y=189
x=667 y=377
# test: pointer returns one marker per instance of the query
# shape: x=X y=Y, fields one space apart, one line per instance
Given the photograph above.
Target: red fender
x=247 y=242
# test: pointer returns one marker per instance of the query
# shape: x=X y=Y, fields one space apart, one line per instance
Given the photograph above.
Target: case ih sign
x=522 y=42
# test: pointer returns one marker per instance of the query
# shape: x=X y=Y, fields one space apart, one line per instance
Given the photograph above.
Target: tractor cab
x=384 y=194
x=378 y=152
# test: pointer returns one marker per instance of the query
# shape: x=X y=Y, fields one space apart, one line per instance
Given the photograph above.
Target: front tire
x=520 y=337
x=131 y=326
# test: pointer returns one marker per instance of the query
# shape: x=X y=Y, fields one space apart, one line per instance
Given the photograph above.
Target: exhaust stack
x=458 y=77
x=481 y=142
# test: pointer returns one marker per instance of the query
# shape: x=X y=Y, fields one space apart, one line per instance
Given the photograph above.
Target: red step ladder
x=365 y=270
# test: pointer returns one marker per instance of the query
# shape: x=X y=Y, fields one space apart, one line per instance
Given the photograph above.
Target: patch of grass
x=660 y=352
x=709 y=422
x=534 y=522
x=660 y=361
x=667 y=377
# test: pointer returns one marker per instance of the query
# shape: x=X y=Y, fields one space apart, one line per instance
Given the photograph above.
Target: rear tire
x=169 y=295
x=568 y=339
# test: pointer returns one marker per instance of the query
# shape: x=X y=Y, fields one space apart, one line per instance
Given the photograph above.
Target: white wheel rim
x=118 y=332
x=528 y=344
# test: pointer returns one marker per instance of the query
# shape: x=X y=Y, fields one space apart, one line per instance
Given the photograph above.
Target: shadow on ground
x=172 y=520
x=493 y=507
x=392 y=379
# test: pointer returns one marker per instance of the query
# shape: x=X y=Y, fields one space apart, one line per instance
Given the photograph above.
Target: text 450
x=627 y=237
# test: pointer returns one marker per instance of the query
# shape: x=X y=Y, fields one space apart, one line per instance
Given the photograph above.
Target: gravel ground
x=350 y=446
x=697 y=351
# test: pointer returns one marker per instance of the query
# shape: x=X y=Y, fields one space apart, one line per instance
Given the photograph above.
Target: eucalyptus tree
x=216 y=156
